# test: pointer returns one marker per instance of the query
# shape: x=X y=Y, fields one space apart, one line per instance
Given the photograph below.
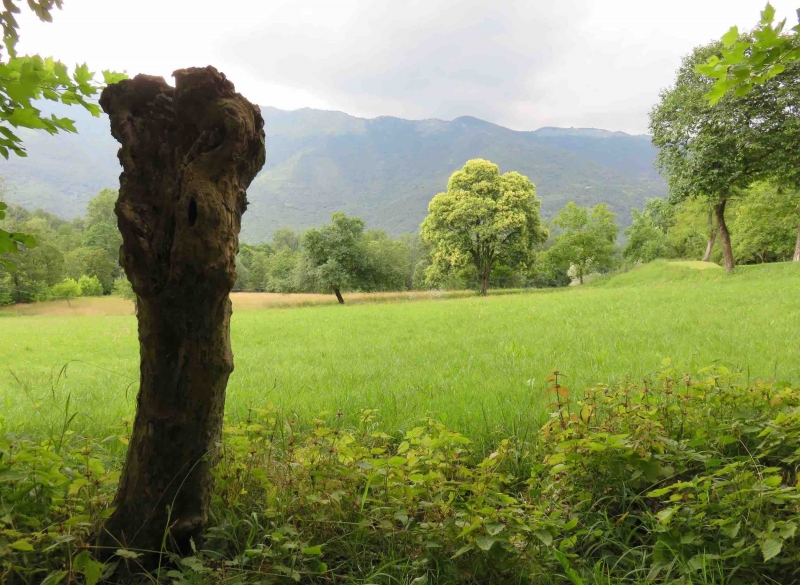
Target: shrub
x=67 y=289
x=675 y=479
x=90 y=286
x=122 y=288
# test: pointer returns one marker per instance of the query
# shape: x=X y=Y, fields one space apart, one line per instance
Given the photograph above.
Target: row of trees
x=476 y=236
x=65 y=250
x=485 y=231
x=340 y=256
x=762 y=222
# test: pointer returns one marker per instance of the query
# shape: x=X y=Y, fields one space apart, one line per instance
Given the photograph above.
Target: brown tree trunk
x=727 y=250
x=338 y=294
x=712 y=237
x=188 y=154
x=484 y=282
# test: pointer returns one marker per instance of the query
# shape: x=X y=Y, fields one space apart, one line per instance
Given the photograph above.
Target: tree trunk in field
x=712 y=238
x=796 y=257
x=339 y=297
x=188 y=155
x=484 y=281
x=727 y=250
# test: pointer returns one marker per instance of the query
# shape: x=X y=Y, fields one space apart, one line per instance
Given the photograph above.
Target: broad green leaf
x=768 y=14
x=22 y=545
x=485 y=542
x=127 y=554
x=495 y=529
x=54 y=578
x=313 y=550
x=731 y=36
x=771 y=548
x=665 y=515
x=91 y=569
x=544 y=536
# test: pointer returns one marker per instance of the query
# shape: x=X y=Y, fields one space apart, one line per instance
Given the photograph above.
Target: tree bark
x=188 y=155
x=796 y=257
x=339 y=297
x=712 y=238
x=725 y=236
x=484 y=281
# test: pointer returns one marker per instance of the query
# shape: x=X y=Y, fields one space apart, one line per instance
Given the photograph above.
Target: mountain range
x=384 y=170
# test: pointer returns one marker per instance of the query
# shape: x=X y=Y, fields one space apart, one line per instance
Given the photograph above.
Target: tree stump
x=188 y=155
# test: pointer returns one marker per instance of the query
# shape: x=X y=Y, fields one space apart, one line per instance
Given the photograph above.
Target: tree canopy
x=586 y=242
x=338 y=253
x=483 y=218
x=715 y=152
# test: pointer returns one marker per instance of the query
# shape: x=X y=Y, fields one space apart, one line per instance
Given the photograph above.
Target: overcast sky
x=522 y=64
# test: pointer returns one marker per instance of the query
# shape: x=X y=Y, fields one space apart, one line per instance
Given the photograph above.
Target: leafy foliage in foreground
x=674 y=479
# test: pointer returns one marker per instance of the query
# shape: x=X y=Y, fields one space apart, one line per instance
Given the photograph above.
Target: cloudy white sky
x=523 y=64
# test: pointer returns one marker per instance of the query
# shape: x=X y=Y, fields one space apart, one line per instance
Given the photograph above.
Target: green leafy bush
x=122 y=288
x=90 y=286
x=66 y=289
x=674 y=479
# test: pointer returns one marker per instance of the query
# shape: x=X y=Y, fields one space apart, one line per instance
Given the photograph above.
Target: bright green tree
x=285 y=238
x=484 y=218
x=122 y=288
x=101 y=229
x=27 y=80
x=90 y=286
x=647 y=232
x=390 y=261
x=66 y=289
x=92 y=262
x=646 y=241
x=586 y=242
x=338 y=254
x=279 y=270
x=765 y=224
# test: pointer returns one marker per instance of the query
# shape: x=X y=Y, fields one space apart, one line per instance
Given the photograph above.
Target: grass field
x=477 y=364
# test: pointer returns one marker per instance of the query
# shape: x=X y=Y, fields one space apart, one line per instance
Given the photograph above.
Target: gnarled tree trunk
x=725 y=236
x=188 y=154
x=712 y=237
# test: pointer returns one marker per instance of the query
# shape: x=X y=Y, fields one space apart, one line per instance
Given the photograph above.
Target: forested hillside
x=384 y=170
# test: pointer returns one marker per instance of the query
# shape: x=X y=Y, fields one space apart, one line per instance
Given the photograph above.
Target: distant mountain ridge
x=384 y=169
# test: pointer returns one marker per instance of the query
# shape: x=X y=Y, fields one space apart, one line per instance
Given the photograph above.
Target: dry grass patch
x=242 y=301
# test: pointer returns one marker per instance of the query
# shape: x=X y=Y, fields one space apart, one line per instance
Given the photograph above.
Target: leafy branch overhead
x=750 y=60
x=24 y=82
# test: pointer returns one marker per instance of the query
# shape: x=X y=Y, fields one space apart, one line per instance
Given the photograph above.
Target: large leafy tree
x=338 y=254
x=713 y=153
x=25 y=80
x=484 y=218
x=769 y=56
x=586 y=242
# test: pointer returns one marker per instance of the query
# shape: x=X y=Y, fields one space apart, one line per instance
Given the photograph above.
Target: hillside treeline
x=80 y=257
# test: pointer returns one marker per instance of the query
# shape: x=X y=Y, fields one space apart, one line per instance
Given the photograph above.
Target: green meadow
x=476 y=364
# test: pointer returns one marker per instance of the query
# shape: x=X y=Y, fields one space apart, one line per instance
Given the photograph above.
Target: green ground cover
x=476 y=364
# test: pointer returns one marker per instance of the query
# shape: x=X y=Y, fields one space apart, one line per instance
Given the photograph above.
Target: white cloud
x=520 y=63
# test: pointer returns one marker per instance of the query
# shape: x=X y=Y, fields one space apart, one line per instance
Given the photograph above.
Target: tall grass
x=474 y=363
